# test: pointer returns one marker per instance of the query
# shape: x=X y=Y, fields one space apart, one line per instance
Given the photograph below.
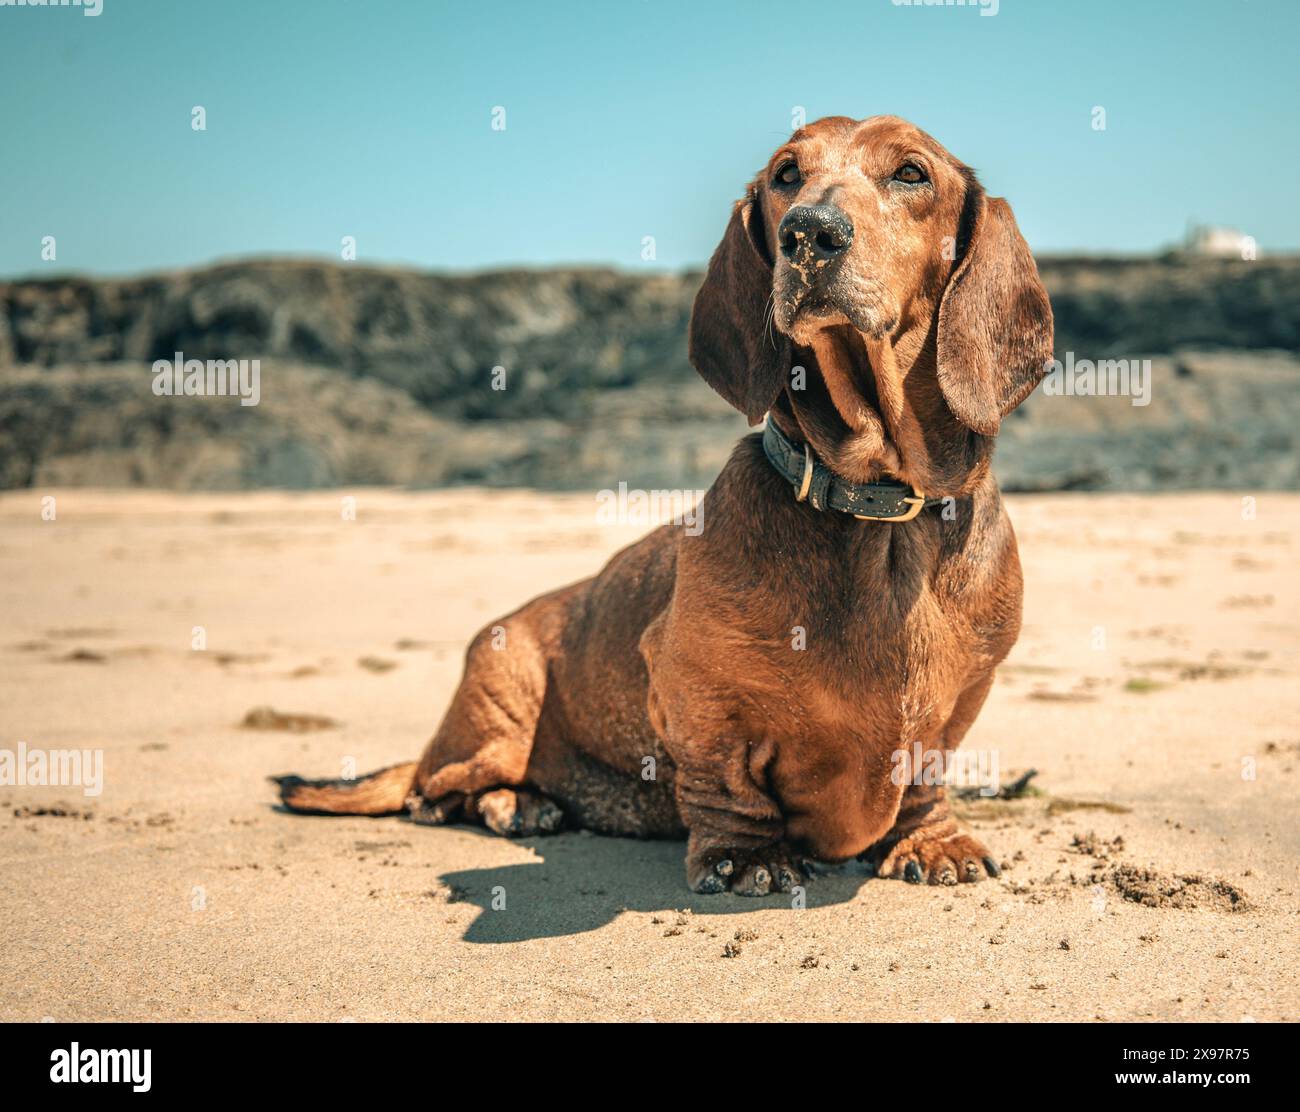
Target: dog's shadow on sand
x=580 y=883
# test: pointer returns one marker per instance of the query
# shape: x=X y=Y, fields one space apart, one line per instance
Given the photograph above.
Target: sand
x=1153 y=876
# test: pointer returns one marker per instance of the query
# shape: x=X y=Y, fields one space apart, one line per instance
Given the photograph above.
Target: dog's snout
x=823 y=230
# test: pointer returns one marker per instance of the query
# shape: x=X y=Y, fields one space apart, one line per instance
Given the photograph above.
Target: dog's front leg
x=736 y=830
x=926 y=844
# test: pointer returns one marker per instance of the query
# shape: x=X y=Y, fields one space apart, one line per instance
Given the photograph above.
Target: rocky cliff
x=579 y=378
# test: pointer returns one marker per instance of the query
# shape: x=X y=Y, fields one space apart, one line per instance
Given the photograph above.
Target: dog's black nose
x=822 y=229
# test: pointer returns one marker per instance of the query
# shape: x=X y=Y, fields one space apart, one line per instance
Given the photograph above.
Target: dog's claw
x=992 y=867
x=725 y=867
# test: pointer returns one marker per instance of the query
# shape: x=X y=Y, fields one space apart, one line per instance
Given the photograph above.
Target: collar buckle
x=806 y=484
x=916 y=500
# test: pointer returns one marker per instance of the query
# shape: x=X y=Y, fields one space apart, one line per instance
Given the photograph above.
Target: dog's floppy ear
x=995 y=321
x=731 y=343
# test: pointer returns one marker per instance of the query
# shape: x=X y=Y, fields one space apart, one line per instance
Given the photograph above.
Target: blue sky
x=628 y=118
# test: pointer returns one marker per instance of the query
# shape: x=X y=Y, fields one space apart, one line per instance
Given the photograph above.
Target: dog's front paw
x=959 y=859
x=747 y=872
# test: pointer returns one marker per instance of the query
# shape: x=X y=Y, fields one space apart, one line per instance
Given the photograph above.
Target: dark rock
x=374 y=376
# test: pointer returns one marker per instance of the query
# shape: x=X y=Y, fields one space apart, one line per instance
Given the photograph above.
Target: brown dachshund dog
x=886 y=315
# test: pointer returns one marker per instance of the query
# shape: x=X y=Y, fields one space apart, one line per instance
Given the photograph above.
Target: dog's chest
x=884 y=665
x=878 y=639
x=838 y=630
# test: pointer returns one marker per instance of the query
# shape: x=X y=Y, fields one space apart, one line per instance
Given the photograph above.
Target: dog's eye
x=787 y=174
x=910 y=174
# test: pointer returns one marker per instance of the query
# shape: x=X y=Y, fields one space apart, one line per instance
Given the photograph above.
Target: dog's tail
x=381 y=793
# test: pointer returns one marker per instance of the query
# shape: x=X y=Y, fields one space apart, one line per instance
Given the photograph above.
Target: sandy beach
x=1150 y=873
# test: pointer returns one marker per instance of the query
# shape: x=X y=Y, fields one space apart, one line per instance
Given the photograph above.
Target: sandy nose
x=823 y=231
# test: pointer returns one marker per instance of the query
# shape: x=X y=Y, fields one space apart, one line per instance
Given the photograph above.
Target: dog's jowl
x=855 y=581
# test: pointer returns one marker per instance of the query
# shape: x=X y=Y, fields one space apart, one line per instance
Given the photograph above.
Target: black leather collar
x=822 y=489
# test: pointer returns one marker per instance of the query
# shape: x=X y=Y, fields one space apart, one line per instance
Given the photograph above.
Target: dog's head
x=866 y=235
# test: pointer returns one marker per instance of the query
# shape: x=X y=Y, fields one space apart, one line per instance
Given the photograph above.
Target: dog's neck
x=872 y=409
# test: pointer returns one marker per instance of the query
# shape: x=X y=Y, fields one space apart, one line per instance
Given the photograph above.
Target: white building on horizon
x=1218 y=241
